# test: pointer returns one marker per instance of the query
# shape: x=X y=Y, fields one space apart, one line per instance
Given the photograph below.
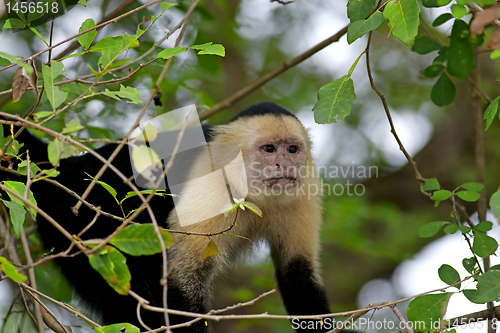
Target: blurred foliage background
x=364 y=237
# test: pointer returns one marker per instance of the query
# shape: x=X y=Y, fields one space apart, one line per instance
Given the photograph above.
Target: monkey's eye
x=269 y=148
x=292 y=149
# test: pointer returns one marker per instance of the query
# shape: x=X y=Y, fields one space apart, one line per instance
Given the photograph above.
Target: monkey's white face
x=276 y=162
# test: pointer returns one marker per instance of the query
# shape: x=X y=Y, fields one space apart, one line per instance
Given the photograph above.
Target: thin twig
x=401 y=318
x=413 y=164
x=31 y=275
x=479 y=160
x=83 y=32
x=62 y=305
x=75 y=44
x=55 y=324
x=289 y=317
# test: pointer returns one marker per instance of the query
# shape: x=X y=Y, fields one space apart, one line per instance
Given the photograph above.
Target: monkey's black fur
x=302 y=294
x=264 y=108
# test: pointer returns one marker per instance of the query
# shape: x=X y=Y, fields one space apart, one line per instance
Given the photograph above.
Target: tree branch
x=243 y=92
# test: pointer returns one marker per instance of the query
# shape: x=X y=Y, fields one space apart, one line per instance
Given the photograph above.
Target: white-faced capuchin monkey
x=280 y=174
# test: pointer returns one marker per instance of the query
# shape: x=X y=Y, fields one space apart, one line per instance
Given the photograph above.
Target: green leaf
x=20 y=188
x=96 y=73
x=254 y=208
x=107 y=187
x=451 y=229
x=430 y=229
x=14 y=23
x=86 y=40
x=72 y=126
x=431 y=184
x=458 y=11
x=210 y=250
x=435 y=3
x=13 y=149
x=201 y=46
x=39 y=35
x=464 y=229
x=495 y=205
x=442 y=56
x=433 y=70
x=469 y=263
x=428 y=309
x=469 y=196
x=491 y=112
x=334 y=101
x=449 y=275
x=441 y=195
x=119 y=328
x=11 y=271
x=108 y=45
x=118 y=63
x=159 y=193
x=111 y=47
x=125 y=92
x=141 y=239
x=495 y=54
x=55 y=96
x=169 y=53
x=144 y=157
x=112 y=266
x=50 y=173
x=216 y=49
x=461 y=55
x=358 y=29
x=4 y=62
x=441 y=19
x=130 y=41
x=424 y=45
x=15 y=59
x=403 y=16
x=495 y=267
x=43 y=114
x=359 y=9
x=484 y=245
x=477 y=40
x=472 y=186
x=484 y=226
x=166 y=5
x=443 y=92
x=58 y=150
x=22 y=168
x=77 y=89
x=17 y=214
x=488 y=287
x=54 y=152
x=145 y=160
x=469 y=294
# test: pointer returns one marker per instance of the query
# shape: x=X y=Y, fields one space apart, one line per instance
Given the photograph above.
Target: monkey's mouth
x=281 y=181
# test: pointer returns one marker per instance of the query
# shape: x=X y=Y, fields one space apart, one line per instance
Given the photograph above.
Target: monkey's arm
x=295 y=249
x=301 y=292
